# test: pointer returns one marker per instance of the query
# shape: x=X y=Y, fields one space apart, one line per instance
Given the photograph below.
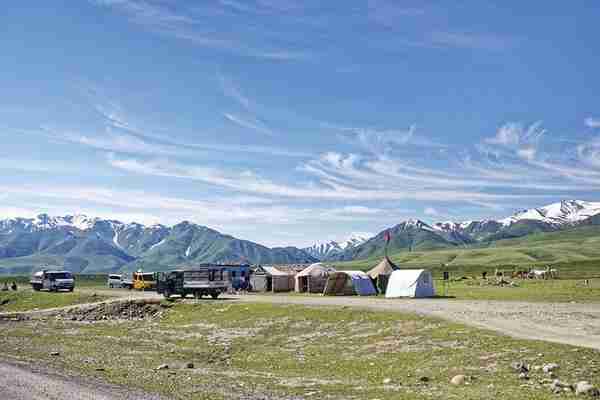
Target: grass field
x=274 y=351
x=560 y=290
x=26 y=300
x=575 y=253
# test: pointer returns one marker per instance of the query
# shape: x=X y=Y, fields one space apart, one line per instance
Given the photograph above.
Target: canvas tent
x=380 y=274
x=313 y=278
x=410 y=283
x=271 y=279
x=348 y=283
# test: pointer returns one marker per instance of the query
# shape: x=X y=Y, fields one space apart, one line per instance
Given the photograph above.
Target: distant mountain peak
x=330 y=248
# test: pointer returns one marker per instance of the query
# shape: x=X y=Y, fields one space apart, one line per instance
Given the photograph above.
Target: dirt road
x=19 y=382
x=575 y=324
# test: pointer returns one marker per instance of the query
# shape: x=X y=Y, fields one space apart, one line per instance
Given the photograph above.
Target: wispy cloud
x=255 y=124
x=469 y=40
x=231 y=90
x=122 y=133
x=431 y=211
x=591 y=122
x=391 y=14
x=382 y=140
x=350 y=184
x=193 y=24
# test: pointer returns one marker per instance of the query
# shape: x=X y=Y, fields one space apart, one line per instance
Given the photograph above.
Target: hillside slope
x=92 y=245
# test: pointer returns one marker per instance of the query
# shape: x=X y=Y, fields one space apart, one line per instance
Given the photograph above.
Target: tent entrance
x=303 y=284
x=269 y=283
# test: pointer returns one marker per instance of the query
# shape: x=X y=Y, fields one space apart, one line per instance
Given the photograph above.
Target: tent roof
x=316 y=269
x=385 y=267
x=275 y=272
x=407 y=276
x=355 y=274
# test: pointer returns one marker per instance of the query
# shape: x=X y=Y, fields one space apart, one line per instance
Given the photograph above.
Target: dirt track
x=18 y=382
x=575 y=324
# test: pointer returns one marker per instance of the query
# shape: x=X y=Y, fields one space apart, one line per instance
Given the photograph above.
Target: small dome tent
x=380 y=274
x=349 y=283
x=410 y=283
x=313 y=278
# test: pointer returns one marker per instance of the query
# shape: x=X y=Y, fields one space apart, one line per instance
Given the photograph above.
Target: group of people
x=13 y=286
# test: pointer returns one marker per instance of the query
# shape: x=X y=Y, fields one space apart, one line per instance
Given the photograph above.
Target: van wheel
x=214 y=295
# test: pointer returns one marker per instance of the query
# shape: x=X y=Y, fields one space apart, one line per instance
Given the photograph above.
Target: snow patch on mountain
x=564 y=212
x=329 y=248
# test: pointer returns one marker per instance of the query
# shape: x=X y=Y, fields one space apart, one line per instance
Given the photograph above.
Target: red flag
x=388 y=237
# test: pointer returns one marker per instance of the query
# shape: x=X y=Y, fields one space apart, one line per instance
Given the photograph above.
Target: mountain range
x=86 y=244
x=415 y=234
x=331 y=249
x=91 y=245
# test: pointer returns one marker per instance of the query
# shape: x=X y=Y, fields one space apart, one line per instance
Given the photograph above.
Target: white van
x=115 y=281
x=52 y=281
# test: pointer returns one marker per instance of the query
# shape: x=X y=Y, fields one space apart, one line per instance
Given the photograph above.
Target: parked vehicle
x=127 y=282
x=115 y=281
x=52 y=281
x=200 y=281
x=144 y=281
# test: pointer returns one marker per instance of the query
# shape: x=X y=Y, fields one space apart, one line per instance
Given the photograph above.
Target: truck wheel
x=167 y=294
x=214 y=295
x=71 y=289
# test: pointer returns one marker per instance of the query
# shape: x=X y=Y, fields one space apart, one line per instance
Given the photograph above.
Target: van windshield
x=60 y=275
x=114 y=277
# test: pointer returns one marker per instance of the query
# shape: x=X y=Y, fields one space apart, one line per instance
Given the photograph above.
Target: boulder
x=162 y=366
x=584 y=388
x=547 y=368
x=458 y=380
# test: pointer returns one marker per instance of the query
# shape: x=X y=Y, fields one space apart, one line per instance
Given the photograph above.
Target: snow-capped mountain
x=326 y=250
x=553 y=216
x=564 y=213
x=91 y=245
x=416 y=234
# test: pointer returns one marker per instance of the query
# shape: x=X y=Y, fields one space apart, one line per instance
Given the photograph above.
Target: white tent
x=347 y=283
x=313 y=278
x=410 y=283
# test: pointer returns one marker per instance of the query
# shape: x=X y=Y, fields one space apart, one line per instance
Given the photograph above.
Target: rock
x=523 y=376
x=550 y=367
x=55 y=353
x=387 y=381
x=162 y=366
x=586 y=389
x=423 y=379
x=189 y=365
x=520 y=366
x=458 y=380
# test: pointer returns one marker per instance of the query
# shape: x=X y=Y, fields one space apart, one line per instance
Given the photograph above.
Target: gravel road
x=576 y=324
x=20 y=382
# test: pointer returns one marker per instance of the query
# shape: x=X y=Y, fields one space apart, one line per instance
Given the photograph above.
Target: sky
x=291 y=122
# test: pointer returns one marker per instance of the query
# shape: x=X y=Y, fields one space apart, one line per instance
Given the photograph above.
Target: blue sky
x=289 y=122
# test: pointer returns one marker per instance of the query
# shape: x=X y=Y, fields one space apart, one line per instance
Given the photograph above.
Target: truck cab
x=53 y=281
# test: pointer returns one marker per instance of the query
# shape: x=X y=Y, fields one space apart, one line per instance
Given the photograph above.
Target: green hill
x=576 y=252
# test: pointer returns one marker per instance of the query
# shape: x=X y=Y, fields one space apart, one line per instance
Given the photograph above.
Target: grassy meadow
x=575 y=253
x=274 y=351
x=28 y=300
